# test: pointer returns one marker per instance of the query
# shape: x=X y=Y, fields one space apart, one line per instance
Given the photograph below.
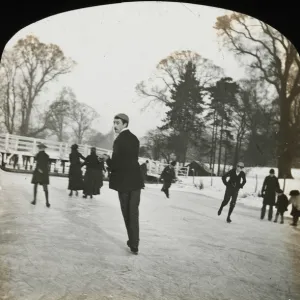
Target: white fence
x=26 y=147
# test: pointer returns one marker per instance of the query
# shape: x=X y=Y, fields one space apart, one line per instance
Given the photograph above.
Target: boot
x=220 y=210
x=229 y=214
x=47 y=198
x=34 y=194
x=71 y=193
x=276 y=218
x=282 y=221
x=76 y=193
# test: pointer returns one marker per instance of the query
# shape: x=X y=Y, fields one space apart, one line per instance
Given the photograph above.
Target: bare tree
x=82 y=117
x=30 y=67
x=8 y=94
x=58 y=115
x=275 y=60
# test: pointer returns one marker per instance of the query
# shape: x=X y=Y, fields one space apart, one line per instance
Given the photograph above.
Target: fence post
x=255 y=183
x=211 y=176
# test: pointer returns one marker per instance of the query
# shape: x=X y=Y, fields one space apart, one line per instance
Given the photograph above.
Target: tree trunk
x=220 y=145
x=212 y=153
x=285 y=146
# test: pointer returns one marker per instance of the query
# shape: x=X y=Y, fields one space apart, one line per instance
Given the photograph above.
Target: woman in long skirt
x=75 y=172
x=93 y=178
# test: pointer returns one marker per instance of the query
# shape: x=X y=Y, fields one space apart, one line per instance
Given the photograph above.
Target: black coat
x=93 y=177
x=125 y=175
x=234 y=181
x=168 y=174
x=75 y=172
x=268 y=190
x=42 y=163
x=282 y=203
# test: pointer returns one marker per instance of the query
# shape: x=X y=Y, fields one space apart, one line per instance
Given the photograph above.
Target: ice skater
x=281 y=205
x=295 y=201
x=41 y=173
x=233 y=185
x=144 y=170
x=93 y=177
x=270 y=185
x=168 y=175
x=75 y=172
x=126 y=177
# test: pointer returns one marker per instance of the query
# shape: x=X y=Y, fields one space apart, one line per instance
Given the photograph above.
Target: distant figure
x=233 y=185
x=105 y=157
x=173 y=158
x=269 y=188
x=75 y=172
x=93 y=177
x=295 y=201
x=144 y=170
x=41 y=173
x=126 y=178
x=281 y=205
x=168 y=175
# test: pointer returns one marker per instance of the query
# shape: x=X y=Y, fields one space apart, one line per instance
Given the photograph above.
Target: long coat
x=75 y=172
x=125 y=169
x=93 y=177
x=269 y=188
x=282 y=203
x=42 y=163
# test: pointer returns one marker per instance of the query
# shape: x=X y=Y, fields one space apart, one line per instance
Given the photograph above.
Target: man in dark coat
x=168 y=175
x=41 y=173
x=269 y=188
x=126 y=177
x=233 y=185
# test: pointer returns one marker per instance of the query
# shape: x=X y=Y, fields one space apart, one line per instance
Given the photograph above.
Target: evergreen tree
x=186 y=107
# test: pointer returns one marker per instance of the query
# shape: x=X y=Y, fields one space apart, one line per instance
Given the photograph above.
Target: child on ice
x=281 y=205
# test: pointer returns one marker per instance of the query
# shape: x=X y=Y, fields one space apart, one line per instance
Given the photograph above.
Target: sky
x=116 y=46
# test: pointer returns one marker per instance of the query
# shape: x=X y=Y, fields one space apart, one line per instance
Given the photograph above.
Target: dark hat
x=173 y=163
x=294 y=193
x=93 y=148
x=272 y=171
x=122 y=117
x=42 y=146
x=75 y=146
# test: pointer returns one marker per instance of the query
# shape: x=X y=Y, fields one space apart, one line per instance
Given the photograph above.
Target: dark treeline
x=214 y=119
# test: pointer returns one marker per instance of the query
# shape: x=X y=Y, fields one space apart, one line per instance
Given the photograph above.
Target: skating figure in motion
x=269 y=188
x=41 y=173
x=168 y=175
x=233 y=185
x=75 y=172
x=126 y=177
x=281 y=205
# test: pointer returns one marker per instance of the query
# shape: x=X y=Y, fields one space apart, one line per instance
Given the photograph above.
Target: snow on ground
x=214 y=187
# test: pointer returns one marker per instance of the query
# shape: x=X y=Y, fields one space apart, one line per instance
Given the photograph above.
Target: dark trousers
x=165 y=187
x=45 y=187
x=232 y=194
x=295 y=220
x=263 y=211
x=129 y=202
x=277 y=215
